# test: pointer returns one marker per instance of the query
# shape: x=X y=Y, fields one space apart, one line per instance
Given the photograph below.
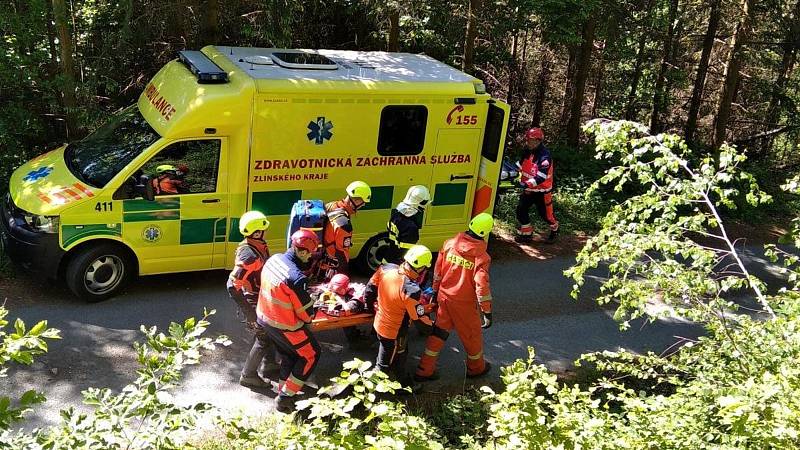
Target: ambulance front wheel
x=372 y=253
x=98 y=272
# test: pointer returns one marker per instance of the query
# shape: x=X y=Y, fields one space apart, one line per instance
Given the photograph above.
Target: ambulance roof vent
x=202 y=67
x=303 y=60
x=259 y=60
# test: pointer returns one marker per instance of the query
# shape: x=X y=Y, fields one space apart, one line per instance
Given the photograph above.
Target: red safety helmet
x=305 y=240
x=535 y=133
x=339 y=284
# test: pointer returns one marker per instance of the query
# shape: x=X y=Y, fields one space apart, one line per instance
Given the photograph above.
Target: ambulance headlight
x=42 y=224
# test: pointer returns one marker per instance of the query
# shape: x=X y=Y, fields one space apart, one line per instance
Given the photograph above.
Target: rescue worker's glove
x=486 y=319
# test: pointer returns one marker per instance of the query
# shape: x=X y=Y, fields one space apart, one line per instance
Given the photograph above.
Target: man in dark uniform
x=405 y=223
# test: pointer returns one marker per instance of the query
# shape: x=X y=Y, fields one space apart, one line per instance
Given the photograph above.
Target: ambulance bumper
x=36 y=252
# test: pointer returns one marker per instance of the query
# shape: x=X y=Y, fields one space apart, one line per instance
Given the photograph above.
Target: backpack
x=309 y=215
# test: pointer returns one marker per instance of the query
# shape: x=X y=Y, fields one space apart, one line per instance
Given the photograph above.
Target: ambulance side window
x=493 y=133
x=402 y=130
x=185 y=167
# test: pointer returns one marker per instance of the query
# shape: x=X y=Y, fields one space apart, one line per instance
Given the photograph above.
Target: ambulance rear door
x=491 y=158
x=455 y=166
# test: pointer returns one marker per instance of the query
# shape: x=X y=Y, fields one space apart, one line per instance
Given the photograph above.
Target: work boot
x=284 y=403
x=552 y=237
x=423 y=378
x=523 y=238
x=254 y=381
x=486 y=368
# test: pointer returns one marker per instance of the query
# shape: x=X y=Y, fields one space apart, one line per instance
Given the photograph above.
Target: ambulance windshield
x=99 y=157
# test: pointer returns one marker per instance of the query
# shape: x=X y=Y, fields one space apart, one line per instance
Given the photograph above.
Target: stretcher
x=323 y=321
x=327 y=321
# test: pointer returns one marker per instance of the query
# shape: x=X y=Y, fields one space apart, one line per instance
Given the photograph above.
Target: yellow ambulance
x=232 y=129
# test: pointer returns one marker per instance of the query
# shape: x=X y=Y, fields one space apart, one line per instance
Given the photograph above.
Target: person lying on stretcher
x=339 y=297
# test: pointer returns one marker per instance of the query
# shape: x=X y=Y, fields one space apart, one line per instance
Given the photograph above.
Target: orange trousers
x=464 y=316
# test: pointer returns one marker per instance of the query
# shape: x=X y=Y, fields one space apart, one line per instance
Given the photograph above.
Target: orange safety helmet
x=535 y=133
x=339 y=284
x=305 y=240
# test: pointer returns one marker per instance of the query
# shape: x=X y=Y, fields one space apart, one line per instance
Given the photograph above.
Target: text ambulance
x=160 y=186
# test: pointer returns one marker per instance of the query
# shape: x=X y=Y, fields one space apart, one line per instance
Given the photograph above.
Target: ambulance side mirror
x=145 y=189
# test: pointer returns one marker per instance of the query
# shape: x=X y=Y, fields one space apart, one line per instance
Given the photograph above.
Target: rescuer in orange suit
x=397 y=292
x=536 y=182
x=461 y=286
x=338 y=233
x=170 y=180
x=243 y=286
x=285 y=309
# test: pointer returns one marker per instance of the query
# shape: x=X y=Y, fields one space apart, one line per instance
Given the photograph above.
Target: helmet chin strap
x=471 y=233
x=352 y=203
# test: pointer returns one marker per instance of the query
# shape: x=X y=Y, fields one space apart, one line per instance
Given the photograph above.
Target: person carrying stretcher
x=396 y=290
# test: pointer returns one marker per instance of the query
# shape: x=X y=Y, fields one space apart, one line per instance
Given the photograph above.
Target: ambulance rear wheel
x=371 y=256
x=98 y=272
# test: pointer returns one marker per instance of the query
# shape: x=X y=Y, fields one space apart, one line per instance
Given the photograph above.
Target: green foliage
x=364 y=419
x=144 y=415
x=737 y=387
x=651 y=241
x=20 y=345
x=462 y=419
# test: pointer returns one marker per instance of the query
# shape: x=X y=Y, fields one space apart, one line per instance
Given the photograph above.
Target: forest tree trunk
x=569 y=87
x=211 y=31
x=67 y=64
x=702 y=71
x=394 y=29
x=541 y=90
x=790 y=47
x=472 y=33
x=581 y=74
x=731 y=76
x=659 y=94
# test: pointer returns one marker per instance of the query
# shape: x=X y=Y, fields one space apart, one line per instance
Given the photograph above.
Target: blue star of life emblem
x=37 y=174
x=320 y=130
x=151 y=233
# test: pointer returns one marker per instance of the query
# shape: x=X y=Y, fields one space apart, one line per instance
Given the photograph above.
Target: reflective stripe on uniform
x=282 y=304
x=484 y=298
x=280 y=326
x=399 y=243
x=431 y=353
x=292 y=385
x=475 y=357
x=541 y=174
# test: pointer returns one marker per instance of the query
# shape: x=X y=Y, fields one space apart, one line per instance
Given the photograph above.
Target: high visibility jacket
x=283 y=301
x=169 y=184
x=536 y=170
x=403 y=230
x=251 y=254
x=462 y=271
x=338 y=235
x=397 y=295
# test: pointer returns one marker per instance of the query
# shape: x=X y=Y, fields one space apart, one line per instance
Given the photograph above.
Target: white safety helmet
x=417 y=196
